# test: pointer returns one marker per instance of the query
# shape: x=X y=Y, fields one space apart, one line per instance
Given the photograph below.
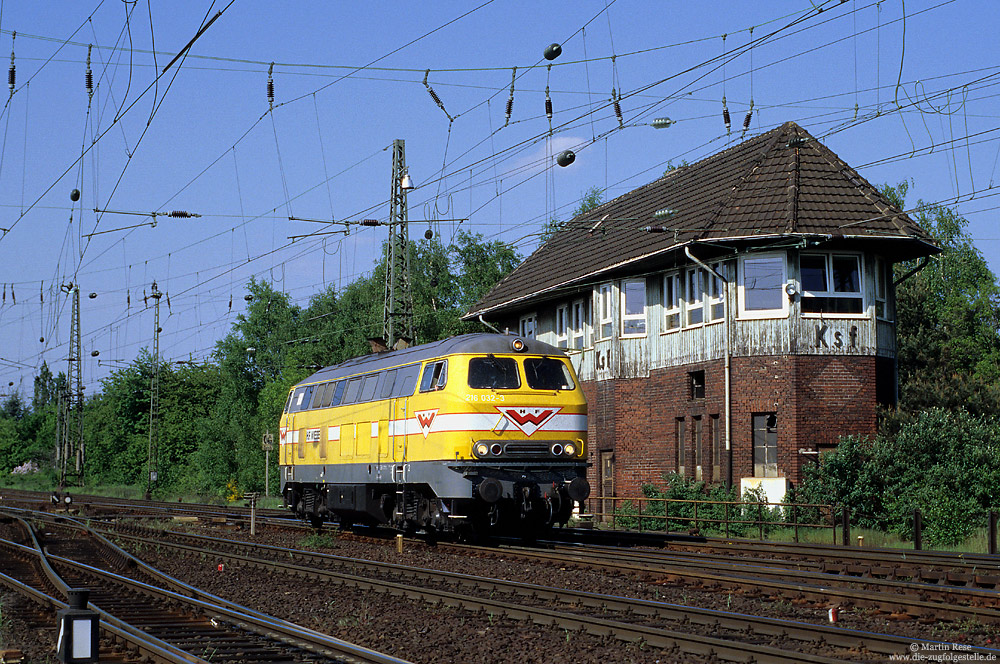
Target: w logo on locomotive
x=425 y=418
x=528 y=420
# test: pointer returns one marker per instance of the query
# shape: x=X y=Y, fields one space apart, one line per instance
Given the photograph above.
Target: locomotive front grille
x=520 y=449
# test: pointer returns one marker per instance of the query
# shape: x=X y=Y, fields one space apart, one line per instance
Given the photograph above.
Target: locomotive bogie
x=439 y=436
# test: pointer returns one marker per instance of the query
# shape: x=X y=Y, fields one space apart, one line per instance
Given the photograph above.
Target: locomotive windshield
x=546 y=373
x=493 y=373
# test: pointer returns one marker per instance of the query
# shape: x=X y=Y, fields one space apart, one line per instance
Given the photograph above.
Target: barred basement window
x=696 y=380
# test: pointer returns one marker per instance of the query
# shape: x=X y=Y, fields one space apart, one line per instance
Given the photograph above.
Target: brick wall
x=816 y=399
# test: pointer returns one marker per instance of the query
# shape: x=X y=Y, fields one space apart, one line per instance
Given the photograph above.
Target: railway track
x=730 y=636
x=903 y=598
x=936 y=567
x=162 y=621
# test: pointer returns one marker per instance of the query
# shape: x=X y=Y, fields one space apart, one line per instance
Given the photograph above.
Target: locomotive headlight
x=557 y=449
x=570 y=449
x=482 y=449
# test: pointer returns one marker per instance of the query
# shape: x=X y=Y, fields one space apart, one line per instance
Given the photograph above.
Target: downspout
x=483 y=321
x=728 y=370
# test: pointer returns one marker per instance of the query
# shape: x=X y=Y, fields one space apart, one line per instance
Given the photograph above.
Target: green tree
x=947 y=317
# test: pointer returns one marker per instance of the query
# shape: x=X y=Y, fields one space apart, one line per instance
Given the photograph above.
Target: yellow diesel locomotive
x=479 y=432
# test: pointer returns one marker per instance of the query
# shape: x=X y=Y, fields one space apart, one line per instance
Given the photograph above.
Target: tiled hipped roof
x=781 y=184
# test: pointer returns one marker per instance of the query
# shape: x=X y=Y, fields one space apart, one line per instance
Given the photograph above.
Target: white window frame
x=561 y=326
x=671 y=300
x=831 y=291
x=605 y=314
x=694 y=302
x=883 y=274
x=578 y=325
x=528 y=326
x=633 y=317
x=716 y=295
x=780 y=312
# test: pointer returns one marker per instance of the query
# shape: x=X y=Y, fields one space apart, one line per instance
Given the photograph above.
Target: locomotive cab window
x=493 y=373
x=435 y=376
x=297 y=398
x=546 y=373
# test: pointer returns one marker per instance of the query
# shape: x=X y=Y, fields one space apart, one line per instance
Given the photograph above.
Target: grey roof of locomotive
x=465 y=343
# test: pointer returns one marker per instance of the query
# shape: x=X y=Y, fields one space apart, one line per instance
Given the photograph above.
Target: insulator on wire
x=746 y=120
x=510 y=98
x=548 y=104
x=182 y=214
x=370 y=222
x=434 y=95
x=618 y=107
x=270 y=86
x=725 y=115
x=12 y=72
x=89 y=77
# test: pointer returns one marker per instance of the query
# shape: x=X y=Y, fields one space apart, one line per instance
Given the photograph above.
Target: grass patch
x=318 y=541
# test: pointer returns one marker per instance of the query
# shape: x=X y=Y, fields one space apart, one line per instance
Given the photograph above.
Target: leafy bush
x=944 y=463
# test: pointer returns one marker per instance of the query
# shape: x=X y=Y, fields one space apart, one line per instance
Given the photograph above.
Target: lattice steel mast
x=154 y=397
x=398 y=315
x=72 y=429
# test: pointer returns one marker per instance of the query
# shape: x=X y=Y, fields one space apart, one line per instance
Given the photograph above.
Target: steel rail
x=877 y=643
x=241 y=617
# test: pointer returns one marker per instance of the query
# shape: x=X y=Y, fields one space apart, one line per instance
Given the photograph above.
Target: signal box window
x=493 y=373
x=605 y=315
x=762 y=286
x=435 y=376
x=831 y=284
x=634 y=308
x=545 y=373
x=527 y=326
x=671 y=302
x=562 y=326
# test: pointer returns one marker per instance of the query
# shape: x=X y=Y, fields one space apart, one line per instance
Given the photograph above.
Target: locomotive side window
x=435 y=376
x=546 y=373
x=406 y=380
x=368 y=387
x=493 y=373
x=317 y=399
x=387 y=384
x=327 y=395
x=288 y=401
x=338 y=392
x=353 y=387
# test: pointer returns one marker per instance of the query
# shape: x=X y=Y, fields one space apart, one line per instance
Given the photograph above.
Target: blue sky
x=348 y=80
